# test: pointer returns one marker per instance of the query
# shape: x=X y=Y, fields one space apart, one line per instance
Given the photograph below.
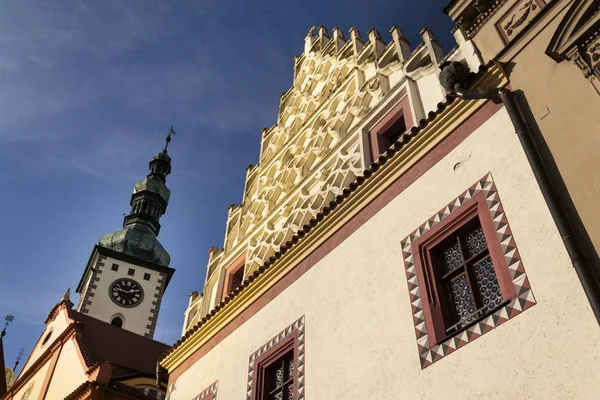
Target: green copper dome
x=138 y=241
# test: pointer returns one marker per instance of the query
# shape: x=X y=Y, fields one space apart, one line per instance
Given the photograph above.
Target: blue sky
x=88 y=91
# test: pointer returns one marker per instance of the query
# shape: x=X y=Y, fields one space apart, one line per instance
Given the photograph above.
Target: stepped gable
x=309 y=156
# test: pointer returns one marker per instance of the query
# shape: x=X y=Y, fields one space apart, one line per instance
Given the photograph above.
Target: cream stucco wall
x=56 y=327
x=34 y=385
x=103 y=308
x=431 y=91
x=68 y=373
x=360 y=341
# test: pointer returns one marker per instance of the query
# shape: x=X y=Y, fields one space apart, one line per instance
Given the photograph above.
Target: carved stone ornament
x=577 y=39
x=518 y=17
x=576 y=57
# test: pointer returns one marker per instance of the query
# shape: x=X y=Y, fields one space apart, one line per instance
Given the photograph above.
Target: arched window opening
x=117 y=321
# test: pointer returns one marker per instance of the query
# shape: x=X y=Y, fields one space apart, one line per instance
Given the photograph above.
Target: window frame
x=270 y=357
x=378 y=132
x=430 y=281
x=294 y=332
x=239 y=263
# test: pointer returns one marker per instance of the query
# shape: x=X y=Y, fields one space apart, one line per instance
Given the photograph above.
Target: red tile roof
x=113 y=387
x=130 y=354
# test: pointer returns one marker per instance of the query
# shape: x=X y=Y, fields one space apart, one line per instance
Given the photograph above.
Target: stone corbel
x=579 y=59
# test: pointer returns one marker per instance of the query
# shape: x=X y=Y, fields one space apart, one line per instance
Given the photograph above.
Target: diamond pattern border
x=297 y=326
x=524 y=300
x=210 y=393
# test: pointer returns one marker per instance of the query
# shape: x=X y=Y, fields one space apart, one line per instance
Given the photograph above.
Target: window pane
x=290 y=369
x=461 y=297
x=279 y=376
x=487 y=284
x=452 y=258
x=475 y=242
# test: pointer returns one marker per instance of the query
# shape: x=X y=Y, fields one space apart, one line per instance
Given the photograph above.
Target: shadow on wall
x=558 y=183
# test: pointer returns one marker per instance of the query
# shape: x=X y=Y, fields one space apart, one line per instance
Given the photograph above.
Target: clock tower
x=128 y=270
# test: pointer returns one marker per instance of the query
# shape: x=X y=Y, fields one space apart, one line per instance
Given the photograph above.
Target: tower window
x=115 y=267
x=131 y=272
x=117 y=321
x=146 y=276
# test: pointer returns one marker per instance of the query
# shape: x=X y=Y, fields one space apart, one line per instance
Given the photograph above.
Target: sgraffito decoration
x=523 y=300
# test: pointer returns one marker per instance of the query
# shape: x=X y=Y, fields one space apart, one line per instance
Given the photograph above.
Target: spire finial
x=168 y=139
x=8 y=319
x=67 y=295
x=20 y=354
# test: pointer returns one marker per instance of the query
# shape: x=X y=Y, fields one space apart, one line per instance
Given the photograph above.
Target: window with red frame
x=235 y=279
x=278 y=382
x=234 y=275
x=382 y=140
x=390 y=128
x=468 y=280
x=464 y=271
x=276 y=372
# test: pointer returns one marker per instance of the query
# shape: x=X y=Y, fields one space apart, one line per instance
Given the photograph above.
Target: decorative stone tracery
x=315 y=150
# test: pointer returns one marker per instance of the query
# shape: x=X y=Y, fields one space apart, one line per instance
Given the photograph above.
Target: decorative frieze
x=518 y=17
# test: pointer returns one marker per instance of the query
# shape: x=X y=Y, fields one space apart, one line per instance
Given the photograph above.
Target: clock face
x=126 y=292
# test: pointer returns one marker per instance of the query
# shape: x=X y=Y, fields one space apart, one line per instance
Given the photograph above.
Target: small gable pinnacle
x=67 y=295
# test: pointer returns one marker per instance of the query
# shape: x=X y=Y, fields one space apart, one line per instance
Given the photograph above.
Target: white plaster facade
x=360 y=339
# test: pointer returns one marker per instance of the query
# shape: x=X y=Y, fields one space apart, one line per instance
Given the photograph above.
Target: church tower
x=128 y=270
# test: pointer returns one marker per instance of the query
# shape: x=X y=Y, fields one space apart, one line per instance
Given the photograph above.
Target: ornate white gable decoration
x=315 y=150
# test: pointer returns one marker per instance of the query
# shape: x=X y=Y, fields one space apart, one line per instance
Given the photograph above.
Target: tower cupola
x=148 y=203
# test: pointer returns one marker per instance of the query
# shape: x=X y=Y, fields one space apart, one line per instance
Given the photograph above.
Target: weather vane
x=8 y=319
x=21 y=352
x=171 y=133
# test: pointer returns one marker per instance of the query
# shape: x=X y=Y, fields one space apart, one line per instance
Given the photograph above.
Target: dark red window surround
x=433 y=256
x=234 y=275
x=281 y=356
x=390 y=128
